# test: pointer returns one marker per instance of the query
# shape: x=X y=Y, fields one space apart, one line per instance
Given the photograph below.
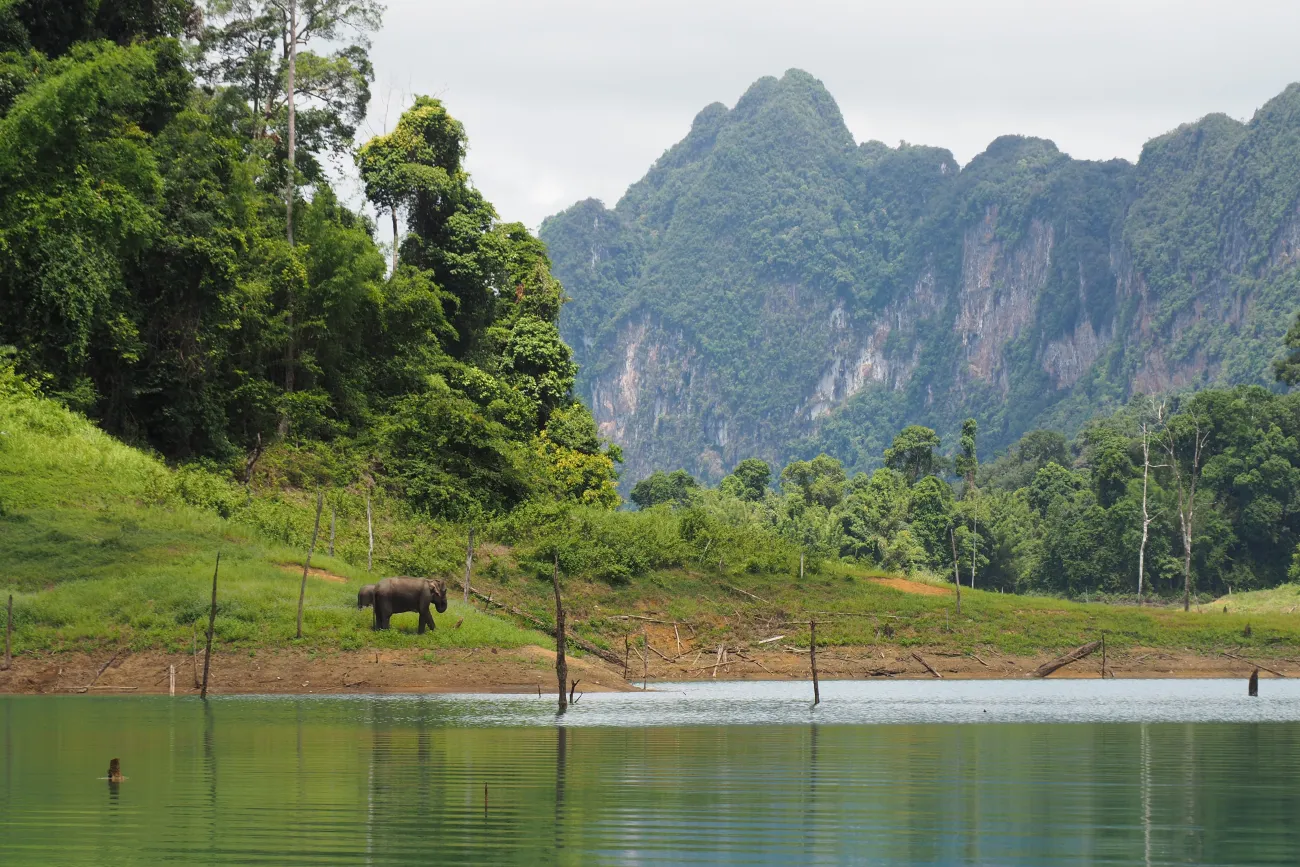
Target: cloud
x=566 y=99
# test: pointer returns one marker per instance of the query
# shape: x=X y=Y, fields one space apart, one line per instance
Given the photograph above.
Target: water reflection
x=386 y=780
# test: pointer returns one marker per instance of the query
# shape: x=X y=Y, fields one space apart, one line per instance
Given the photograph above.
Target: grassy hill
x=105 y=546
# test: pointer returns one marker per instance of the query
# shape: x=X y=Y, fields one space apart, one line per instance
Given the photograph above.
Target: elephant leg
x=383 y=611
x=426 y=617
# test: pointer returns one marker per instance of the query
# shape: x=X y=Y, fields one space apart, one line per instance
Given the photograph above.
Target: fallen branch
x=927 y=665
x=770 y=640
x=745 y=592
x=722 y=648
x=1252 y=662
x=975 y=656
x=358 y=683
x=639 y=617
x=1073 y=656
x=104 y=667
x=755 y=661
x=550 y=630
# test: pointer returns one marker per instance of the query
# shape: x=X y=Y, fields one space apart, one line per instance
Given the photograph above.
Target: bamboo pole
x=370 y=532
x=9 y=631
x=171 y=680
x=212 y=622
x=469 y=561
x=306 y=566
x=812 y=646
x=561 y=665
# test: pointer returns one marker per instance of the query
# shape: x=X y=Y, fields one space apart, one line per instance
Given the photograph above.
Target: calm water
x=1117 y=772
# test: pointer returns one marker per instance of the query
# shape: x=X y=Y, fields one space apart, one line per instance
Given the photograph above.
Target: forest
x=1188 y=498
x=175 y=266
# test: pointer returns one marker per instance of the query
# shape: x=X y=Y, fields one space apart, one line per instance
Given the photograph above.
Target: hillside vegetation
x=105 y=547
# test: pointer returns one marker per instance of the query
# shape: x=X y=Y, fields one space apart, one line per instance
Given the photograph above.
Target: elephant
x=397 y=595
x=366 y=596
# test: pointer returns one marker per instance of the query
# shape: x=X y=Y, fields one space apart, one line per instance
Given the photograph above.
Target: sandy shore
x=528 y=669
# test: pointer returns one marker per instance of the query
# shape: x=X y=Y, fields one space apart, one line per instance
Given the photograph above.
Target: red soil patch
x=908 y=586
x=315 y=573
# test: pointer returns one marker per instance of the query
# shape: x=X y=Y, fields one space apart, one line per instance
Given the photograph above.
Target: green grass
x=99 y=550
x=104 y=546
x=1277 y=600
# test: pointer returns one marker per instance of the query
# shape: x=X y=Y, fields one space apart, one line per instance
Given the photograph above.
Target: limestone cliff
x=770 y=288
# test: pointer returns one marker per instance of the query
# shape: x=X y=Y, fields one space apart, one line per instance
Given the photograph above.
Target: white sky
x=565 y=99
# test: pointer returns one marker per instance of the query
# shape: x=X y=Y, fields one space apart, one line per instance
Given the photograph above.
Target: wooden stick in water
x=171 y=680
x=212 y=622
x=561 y=664
x=645 y=659
x=812 y=646
x=1252 y=688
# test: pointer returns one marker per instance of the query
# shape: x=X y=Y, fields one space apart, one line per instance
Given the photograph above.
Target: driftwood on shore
x=927 y=665
x=1073 y=656
x=1252 y=662
x=542 y=625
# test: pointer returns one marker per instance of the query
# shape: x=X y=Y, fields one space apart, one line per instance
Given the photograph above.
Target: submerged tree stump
x=115 y=771
x=1252 y=688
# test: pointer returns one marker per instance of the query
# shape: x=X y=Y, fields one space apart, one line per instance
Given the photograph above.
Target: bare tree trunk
x=1146 y=514
x=289 y=191
x=956 y=569
x=370 y=532
x=212 y=622
x=333 y=510
x=975 y=532
x=469 y=562
x=561 y=665
x=1187 y=502
x=394 y=240
x=306 y=566
x=293 y=118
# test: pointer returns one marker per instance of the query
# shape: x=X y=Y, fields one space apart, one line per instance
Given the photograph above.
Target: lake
x=914 y=772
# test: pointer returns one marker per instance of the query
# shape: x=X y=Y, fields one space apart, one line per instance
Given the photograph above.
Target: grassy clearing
x=1278 y=600
x=99 y=552
x=104 y=546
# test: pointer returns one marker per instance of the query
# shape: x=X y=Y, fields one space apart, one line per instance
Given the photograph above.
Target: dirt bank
x=482 y=670
x=525 y=670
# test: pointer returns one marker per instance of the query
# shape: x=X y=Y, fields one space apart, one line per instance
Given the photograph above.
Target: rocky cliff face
x=772 y=289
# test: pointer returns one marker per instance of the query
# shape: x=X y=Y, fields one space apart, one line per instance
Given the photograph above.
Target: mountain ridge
x=772 y=288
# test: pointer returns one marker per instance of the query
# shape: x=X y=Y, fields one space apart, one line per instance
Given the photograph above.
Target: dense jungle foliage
x=169 y=272
x=768 y=248
x=149 y=276
x=1050 y=515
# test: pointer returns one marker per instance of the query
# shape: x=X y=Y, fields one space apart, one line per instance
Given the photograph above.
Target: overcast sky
x=565 y=99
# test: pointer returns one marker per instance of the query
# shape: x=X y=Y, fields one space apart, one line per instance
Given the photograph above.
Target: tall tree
x=967 y=465
x=912 y=452
x=1287 y=368
x=1150 y=425
x=1185 y=440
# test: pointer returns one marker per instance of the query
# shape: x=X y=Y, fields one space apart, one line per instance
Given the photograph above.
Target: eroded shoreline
x=530 y=669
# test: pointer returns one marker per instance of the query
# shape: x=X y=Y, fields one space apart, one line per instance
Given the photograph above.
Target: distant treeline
x=1213 y=478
